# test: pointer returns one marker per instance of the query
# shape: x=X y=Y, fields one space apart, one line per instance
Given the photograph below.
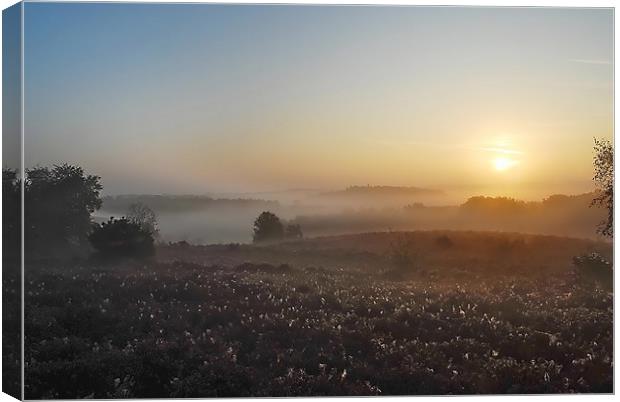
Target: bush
x=594 y=268
x=122 y=237
x=267 y=227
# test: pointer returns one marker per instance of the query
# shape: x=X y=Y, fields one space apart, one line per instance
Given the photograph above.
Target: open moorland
x=368 y=314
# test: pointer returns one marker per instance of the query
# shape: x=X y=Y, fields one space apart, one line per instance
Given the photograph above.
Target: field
x=370 y=314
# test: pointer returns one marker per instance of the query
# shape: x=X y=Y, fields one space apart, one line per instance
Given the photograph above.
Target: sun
x=502 y=163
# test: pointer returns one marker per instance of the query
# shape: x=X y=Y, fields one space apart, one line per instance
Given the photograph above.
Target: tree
x=144 y=216
x=293 y=231
x=267 y=227
x=604 y=180
x=58 y=206
x=122 y=238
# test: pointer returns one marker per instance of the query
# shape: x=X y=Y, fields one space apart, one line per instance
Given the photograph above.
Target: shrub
x=594 y=268
x=267 y=227
x=122 y=237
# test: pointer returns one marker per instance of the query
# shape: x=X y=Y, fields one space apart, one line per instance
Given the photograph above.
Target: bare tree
x=144 y=216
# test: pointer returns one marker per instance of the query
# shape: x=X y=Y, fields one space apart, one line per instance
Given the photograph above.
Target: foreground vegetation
x=330 y=316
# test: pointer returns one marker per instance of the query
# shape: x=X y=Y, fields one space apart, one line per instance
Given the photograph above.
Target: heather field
x=372 y=314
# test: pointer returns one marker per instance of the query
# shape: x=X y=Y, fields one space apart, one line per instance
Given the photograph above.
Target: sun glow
x=502 y=163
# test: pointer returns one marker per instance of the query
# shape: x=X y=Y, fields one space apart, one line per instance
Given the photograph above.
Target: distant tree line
x=507 y=207
x=180 y=203
x=369 y=190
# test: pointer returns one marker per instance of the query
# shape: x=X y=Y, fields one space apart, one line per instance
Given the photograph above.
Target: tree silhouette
x=57 y=207
x=267 y=227
x=604 y=180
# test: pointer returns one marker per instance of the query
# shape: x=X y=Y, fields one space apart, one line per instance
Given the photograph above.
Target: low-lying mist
x=228 y=218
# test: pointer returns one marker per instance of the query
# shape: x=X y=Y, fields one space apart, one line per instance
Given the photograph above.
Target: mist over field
x=228 y=218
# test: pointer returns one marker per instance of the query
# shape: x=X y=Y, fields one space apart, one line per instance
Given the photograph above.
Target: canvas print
x=232 y=200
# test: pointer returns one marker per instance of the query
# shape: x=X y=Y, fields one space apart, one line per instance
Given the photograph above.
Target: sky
x=11 y=88
x=200 y=99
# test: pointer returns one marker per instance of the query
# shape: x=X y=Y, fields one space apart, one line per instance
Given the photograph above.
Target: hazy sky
x=201 y=98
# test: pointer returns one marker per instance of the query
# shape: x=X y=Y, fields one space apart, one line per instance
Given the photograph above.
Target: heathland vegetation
x=112 y=310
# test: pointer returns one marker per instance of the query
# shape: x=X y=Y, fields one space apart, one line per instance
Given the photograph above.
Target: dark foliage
x=122 y=238
x=58 y=206
x=267 y=227
x=11 y=216
x=594 y=267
